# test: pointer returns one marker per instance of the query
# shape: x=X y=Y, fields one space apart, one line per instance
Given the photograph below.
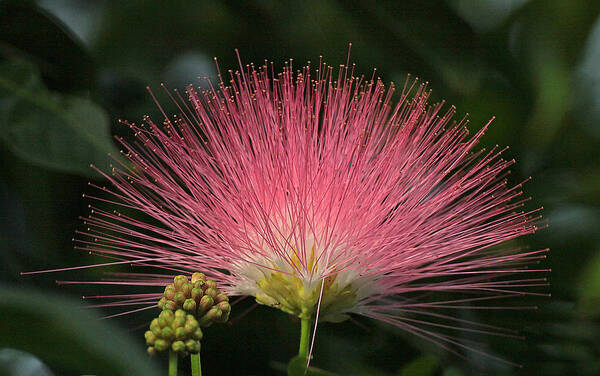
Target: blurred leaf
x=553 y=87
x=427 y=38
x=587 y=85
x=549 y=48
x=452 y=371
x=423 y=366
x=297 y=367
x=19 y=363
x=63 y=61
x=589 y=287
x=66 y=336
x=485 y=15
x=59 y=132
x=135 y=28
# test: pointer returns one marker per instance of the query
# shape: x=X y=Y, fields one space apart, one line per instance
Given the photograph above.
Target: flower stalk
x=304 y=338
x=196 y=365
x=172 y=363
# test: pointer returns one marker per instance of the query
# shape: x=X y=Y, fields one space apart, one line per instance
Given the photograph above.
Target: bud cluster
x=199 y=297
x=177 y=331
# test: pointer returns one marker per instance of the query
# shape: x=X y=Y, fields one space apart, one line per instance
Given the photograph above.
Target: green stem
x=196 y=365
x=304 y=338
x=172 y=363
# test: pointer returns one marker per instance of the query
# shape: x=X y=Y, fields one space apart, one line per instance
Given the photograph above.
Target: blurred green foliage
x=70 y=69
x=50 y=130
x=66 y=335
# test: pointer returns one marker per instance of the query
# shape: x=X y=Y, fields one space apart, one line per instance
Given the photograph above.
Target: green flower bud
x=170 y=293
x=150 y=337
x=179 y=298
x=187 y=289
x=167 y=333
x=189 y=305
x=211 y=292
x=224 y=306
x=179 y=281
x=224 y=317
x=198 y=334
x=198 y=277
x=161 y=345
x=167 y=316
x=198 y=284
x=192 y=346
x=221 y=298
x=180 y=333
x=210 y=284
x=177 y=329
x=197 y=294
x=178 y=346
x=163 y=322
x=178 y=322
x=205 y=304
x=213 y=315
x=155 y=326
x=191 y=326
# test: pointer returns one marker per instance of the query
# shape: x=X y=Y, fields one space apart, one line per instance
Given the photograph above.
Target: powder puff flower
x=319 y=194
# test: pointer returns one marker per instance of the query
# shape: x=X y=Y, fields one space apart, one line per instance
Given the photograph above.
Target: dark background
x=71 y=69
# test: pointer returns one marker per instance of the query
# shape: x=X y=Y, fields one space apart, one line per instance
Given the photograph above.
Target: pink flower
x=315 y=194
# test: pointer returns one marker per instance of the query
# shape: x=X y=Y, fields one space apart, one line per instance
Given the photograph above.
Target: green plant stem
x=304 y=338
x=172 y=363
x=196 y=366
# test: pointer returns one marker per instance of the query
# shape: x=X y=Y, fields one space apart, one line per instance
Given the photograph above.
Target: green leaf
x=549 y=47
x=297 y=367
x=589 y=288
x=59 y=132
x=422 y=366
x=66 y=336
x=64 y=62
x=429 y=39
x=452 y=371
x=485 y=15
x=19 y=363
